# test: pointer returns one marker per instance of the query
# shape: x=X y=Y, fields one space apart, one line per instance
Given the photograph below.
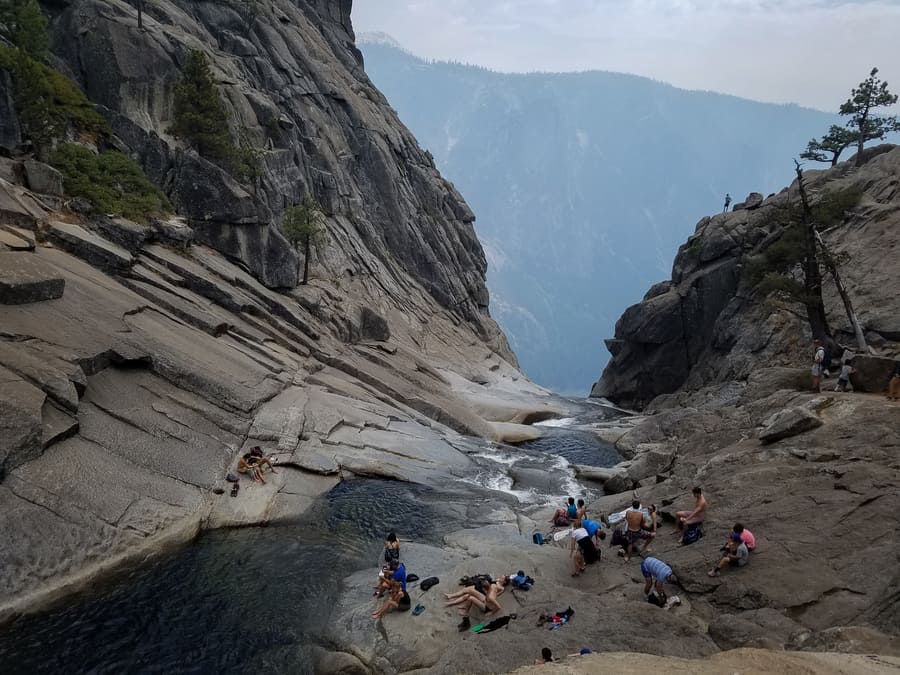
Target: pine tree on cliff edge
x=863 y=126
x=870 y=94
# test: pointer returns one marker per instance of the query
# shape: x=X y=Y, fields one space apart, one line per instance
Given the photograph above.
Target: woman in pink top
x=746 y=536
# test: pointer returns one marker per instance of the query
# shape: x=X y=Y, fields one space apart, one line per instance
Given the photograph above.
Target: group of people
x=253 y=463
x=820 y=366
x=483 y=594
x=391 y=579
x=638 y=531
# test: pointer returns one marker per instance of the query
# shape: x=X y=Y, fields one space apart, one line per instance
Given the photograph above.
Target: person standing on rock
x=894 y=384
x=818 y=366
x=727 y=202
x=695 y=517
x=634 y=530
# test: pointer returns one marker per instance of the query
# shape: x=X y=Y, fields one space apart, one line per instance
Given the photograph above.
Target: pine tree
x=199 y=115
x=872 y=93
x=302 y=224
x=830 y=146
x=25 y=27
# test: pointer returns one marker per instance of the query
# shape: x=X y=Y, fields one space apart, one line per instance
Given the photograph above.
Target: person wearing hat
x=737 y=556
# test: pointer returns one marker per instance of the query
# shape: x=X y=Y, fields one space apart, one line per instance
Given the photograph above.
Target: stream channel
x=258 y=599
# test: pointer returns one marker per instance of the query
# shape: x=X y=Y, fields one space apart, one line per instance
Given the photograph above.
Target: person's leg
x=648 y=539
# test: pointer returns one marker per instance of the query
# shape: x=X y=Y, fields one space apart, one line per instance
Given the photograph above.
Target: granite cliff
x=139 y=360
x=709 y=324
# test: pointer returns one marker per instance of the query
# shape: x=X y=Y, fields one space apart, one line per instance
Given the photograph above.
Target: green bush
x=831 y=209
x=48 y=102
x=111 y=182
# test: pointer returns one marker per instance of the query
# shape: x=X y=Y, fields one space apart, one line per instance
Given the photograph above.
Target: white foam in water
x=561 y=422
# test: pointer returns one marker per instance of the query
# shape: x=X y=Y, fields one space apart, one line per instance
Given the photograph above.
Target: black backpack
x=425 y=584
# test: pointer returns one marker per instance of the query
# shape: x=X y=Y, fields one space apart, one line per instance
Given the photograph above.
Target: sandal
x=418 y=610
x=234 y=489
x=713 y=573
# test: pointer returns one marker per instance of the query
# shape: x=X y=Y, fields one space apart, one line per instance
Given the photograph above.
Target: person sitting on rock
x=894 y=384
x=564 y=516
x=745 y=535
x=396 y=572
x=634 y=530
x=737 y=555
x=398 y=599
x=251 y=465
x=583 y=552
x=546 y=657
x=580 y=510
x=656 y=575
x=695 y=517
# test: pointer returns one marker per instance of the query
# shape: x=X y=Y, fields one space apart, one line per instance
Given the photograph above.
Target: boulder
x=43 y=178
x=652 y=460
x=175 y=230
x=787 y=423
x=90 y=247
x=872 y=373
x=26 y=278
x=14 y=241
x=20 y=421
x=129 y=235
x=753 y=201
x=373 y=326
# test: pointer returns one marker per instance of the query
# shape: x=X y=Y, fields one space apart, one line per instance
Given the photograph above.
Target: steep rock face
x=707 y=325
x=294 y=86
x=138 y=361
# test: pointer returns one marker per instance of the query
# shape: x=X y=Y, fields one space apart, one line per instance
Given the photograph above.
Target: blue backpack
x=692 y=533
x=537 y=538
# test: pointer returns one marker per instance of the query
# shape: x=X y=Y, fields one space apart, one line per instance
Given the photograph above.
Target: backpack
x=538 y=538
x=654 y=599
x=618 y=539
x=691 y=534
x=425 y=584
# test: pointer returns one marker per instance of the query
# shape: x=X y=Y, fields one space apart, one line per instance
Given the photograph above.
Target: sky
x=810 y=52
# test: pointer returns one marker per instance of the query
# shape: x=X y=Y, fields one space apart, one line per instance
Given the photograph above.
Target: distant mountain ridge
x=583 y=185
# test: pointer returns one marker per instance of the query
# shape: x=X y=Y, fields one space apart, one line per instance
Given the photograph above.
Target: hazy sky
x=810 y=52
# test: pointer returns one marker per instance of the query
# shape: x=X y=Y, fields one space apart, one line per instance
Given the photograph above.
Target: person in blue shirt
x=594 y=530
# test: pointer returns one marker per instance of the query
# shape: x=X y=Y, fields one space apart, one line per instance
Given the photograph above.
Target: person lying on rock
x=695 y=517
x=398 y=599
x=656 y=575
x=634 y=530
x=583 y=552
x=737 y=555
x=396 y=572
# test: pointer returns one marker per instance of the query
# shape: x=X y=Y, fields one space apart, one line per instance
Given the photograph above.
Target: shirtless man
x=634 y=529
x=698 y=515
